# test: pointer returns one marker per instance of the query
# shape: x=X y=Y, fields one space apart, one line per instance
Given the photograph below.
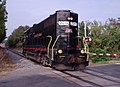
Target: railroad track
x=90 y=78
x=78 y=80
x=87 y=78
x=16 y=52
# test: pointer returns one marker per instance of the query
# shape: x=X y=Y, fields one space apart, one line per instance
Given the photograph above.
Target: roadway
x=30 y=74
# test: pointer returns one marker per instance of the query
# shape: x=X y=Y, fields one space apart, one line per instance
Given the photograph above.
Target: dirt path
x=6 y=63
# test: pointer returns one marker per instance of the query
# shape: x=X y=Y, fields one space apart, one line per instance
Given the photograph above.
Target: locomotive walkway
x=30 y=74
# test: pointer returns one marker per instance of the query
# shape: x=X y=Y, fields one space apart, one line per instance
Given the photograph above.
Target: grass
x=104 y=60
x=6 y=64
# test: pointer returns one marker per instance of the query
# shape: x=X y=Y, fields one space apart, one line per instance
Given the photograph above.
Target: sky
x=29 y=12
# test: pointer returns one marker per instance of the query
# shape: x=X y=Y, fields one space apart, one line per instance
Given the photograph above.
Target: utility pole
x=85 y=31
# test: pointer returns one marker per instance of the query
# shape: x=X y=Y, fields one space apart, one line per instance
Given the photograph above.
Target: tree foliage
x=16 y=39
x=3 y=19
x=81 y=28
x=105 y=36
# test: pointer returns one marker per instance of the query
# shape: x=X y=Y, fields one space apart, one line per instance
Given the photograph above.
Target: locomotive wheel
x=44 y=61
x=82 y=67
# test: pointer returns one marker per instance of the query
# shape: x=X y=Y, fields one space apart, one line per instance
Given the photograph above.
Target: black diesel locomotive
x=55 y=42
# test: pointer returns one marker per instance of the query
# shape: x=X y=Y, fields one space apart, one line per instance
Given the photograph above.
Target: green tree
x=97 y=31
x=16 y=39
x=112 y=35
x=81 y=28
x=105 y=36
x=3 y=19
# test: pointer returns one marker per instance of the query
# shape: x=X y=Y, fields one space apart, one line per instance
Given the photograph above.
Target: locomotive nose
x=72 y=59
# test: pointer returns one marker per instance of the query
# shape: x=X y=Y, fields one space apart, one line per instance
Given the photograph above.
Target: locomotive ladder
x=48 y=48
x=53 y=47
x=52 y=50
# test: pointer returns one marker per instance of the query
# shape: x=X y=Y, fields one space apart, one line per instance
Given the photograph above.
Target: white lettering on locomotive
x=63 y=22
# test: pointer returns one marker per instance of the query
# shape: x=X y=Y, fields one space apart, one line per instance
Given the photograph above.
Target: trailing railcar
x=55 y=42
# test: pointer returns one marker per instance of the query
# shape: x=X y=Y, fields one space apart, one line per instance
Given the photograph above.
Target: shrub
x=100 y=58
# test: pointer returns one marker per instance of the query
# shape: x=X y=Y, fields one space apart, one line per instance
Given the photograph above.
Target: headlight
x=60 y=51
x=82 y=51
